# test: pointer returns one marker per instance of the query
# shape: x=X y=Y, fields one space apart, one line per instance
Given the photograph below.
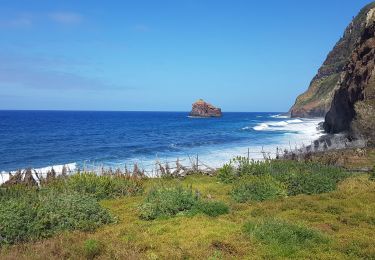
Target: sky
x=139 y=55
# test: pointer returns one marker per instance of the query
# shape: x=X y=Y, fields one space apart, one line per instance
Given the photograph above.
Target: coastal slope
x=353 y=104
x=316 y=101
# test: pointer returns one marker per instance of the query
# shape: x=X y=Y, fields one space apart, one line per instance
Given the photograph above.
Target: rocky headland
x=343 y=91
x=317 y=99
x=201 y=108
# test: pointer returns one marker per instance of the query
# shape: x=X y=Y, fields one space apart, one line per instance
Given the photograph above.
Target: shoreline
x=295 y=133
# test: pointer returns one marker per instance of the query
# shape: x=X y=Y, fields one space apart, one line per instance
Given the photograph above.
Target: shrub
x=166 y=202
x=43 y=213
x=92 y=248
x=258 y=188
x=170 y=201
x=299 y=177
x=227 y=174
x=284 y=237
x=212 y=208
x=372 y=174
x=103 y=187
x=241 y=166
x=70 y=211
x=17 y=218
x=308 y=178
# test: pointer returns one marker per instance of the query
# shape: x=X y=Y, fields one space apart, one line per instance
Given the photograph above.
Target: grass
x=258 y=188
x=338 y=224
x=164 y=202
x=102 y=187
x=267 y=179
x=283 y=238
x=92 y=248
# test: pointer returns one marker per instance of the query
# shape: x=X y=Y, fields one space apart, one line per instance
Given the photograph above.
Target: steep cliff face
x=204 y=109
x=316 y=101
x=353 y=104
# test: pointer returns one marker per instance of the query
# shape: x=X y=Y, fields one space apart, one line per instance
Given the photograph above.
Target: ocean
x=40 y=139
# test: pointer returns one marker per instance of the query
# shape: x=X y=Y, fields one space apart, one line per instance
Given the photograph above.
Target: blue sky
x=163 y=55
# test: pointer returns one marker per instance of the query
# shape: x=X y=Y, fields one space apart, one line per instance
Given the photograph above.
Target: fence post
x=197 y=163
x=248 y=155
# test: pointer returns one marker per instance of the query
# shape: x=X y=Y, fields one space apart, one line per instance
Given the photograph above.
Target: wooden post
x=248 y=155
x=197 y=163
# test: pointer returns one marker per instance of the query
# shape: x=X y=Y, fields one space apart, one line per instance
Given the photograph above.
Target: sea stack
x=203 y=109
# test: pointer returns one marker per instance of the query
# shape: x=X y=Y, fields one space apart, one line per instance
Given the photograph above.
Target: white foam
x=279 y=116
x=306 y=128
x=260 y=127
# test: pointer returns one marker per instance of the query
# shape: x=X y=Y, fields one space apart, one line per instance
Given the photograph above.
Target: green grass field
x=338 y=224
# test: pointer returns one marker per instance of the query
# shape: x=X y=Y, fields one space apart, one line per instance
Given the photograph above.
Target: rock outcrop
x=316 y=101
x=204 y=109
x=353 y=105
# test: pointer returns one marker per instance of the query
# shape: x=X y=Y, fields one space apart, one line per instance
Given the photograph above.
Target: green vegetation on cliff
x=317 y=99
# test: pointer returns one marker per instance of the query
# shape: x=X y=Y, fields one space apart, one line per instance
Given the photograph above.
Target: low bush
x=92 y=248
x=258 y=188
x=162 y=202
x=103 y=187
x=166 y=202
x=298 y=177
x=285 y=238
x=307 y=178
x=241 y=166
x=372 y=174
x=227 y=174
x=212 y=208
x=42 y=213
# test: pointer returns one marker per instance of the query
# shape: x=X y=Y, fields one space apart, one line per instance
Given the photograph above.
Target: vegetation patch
x=39 y=214
x=104 y=187
x=162 y=202
x=298 y=177
x=258 y=188
x=211 y=208
x=92 y=248
x=283 y=237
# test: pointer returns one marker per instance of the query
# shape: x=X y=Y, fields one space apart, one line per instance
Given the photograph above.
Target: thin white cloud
x=67 y=18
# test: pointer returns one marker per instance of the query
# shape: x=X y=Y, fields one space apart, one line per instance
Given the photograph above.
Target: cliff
x=204 y=109
x=353 y=104
x=316 y=101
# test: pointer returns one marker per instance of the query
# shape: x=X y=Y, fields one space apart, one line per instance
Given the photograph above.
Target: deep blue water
x=43 y=138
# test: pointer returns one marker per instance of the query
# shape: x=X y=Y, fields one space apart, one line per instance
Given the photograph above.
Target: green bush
x=372 y=174
x=103 y=187
x=241 y=166
x=298 y=177
x=283 y=237
x=212 y=208
x=43 y=213
x=92 y=248
x=307 y=178
x=227 y=174
x=166 y=202
x=162 y=202
x=258 y=188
